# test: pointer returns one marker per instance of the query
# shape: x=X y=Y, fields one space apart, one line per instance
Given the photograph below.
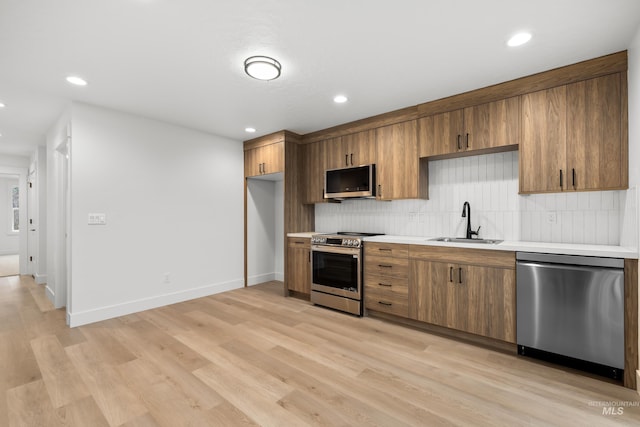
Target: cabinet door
x=491 y=125
x=298 y=268
x=431 y=288
x=272 y=158
x=596 y=158
x=314 y=172
x=397 y=163
x=251 y=163
x=360 y=148
x=543 y=141
x=485 y=302
x=441 y=133
x=335 y=153
x=264 y=160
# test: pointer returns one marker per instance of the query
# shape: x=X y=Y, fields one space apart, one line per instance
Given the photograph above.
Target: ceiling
x=181 y=61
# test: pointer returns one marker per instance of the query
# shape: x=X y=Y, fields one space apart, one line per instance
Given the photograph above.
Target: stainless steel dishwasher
x=572 y=307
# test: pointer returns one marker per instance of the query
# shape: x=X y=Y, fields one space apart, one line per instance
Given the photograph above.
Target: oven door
x=336 y=271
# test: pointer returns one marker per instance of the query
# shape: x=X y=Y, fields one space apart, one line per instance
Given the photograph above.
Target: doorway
x=265 y=227
x=13 y=220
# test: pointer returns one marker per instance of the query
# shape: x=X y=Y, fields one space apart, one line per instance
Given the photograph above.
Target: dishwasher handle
x=587 y=261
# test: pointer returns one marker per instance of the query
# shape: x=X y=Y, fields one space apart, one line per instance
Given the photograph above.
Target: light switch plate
x=97 y=219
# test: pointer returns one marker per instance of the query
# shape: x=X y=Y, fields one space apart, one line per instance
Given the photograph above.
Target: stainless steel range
x=336 y=271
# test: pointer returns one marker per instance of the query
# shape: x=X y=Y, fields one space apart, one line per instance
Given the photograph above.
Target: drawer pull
x=385 y=284
x=450 y=274
x=299 y=243
x=385 y=266
x=388 y=304
x=384 y=249
x=460 y=275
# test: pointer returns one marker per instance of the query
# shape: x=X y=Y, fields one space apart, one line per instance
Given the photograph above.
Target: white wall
x=14 y=161
x=174 y=214
x=279 y=230
x=9 y=242
x=260 y=231
x=265 y=229
x=490 y=184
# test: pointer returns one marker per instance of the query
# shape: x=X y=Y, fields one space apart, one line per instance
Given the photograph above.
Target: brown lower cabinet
x=298 y=274
x=386 y=278
x=469 y=290
x=469 y=298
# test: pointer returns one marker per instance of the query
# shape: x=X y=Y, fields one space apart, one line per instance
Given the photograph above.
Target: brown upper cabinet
x=492 y=125
x=264 y=160
x=355 y=149
x=314 y=166
x=398 y=168
x=574 y=137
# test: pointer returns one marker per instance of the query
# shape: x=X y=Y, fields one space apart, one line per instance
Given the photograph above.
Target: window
x=14 y=208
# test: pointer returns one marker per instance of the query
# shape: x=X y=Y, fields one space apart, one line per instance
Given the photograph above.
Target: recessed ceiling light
x=262 y=67
x=2 y=105
x=340 y=99
x=75 y=80
x=249 y=130
x=519 y=39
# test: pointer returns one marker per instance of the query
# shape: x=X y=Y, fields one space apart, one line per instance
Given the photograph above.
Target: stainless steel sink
x=463 y=240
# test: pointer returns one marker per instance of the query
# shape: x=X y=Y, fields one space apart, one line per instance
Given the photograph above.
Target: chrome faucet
x=467 y=208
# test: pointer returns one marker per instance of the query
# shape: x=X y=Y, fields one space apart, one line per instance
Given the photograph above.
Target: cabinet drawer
x=387 y=266
x=386 y=249
x=395 y=285
x=484 y=257
x=388 y=302
x=299 y=242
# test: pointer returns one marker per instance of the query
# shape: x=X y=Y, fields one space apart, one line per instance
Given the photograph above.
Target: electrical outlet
x=552 y=217
x=97 y=219
x=413 y=216
x=167 y=278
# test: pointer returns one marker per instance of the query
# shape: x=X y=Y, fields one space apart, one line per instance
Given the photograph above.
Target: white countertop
x=306 y=234
x=517 y=246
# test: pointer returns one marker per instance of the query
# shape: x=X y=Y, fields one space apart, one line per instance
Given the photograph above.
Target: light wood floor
x=252 y=357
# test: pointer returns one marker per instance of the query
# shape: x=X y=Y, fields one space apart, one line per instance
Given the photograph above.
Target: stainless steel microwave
x=355 y=182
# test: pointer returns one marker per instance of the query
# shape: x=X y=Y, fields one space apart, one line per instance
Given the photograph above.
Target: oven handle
x=336 y=250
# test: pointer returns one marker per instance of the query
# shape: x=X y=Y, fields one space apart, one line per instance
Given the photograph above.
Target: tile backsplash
x=490 y=184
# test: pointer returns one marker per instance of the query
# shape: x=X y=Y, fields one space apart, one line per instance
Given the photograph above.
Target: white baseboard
x=40 y=279
x=109 y=312
x=50 y=294
x=261 y=278
x=280 y=277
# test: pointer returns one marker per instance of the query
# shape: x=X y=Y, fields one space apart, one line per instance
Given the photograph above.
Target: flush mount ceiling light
x=262 y=67
x=340 y=99
x=250 y=130
x=75 y=80
x=519 y=39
